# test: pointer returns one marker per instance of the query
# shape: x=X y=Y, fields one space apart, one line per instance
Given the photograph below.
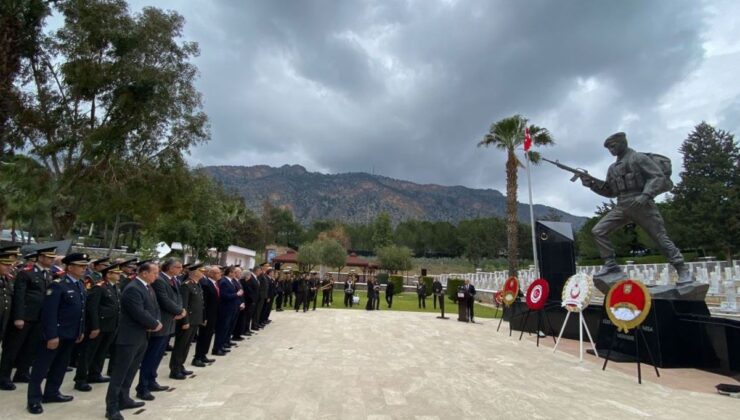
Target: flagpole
x=531 y=220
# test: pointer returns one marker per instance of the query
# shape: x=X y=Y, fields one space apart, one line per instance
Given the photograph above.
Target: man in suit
x=192 y=301
x=23 y=337
x=260 y=302
x=211 y=300
x=439 y=295
x=227 y=310
x=252 y=296
x=62 y=325
x=390 y=288
x=236 y=330
x=265 y=294
x=170 y=306
x=139 y=317
x=271 y=293
x=102 y=307
x=469 y=289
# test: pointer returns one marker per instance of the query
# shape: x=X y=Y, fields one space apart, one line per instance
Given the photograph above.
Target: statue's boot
x=684 y=275
x=609 y=274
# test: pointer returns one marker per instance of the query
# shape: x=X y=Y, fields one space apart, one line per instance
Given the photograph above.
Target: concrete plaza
x=337 y=364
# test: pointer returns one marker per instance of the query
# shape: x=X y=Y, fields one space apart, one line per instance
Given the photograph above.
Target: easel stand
x=634 y=333
x=582 y=326
x=500 y=320
x=539 y=325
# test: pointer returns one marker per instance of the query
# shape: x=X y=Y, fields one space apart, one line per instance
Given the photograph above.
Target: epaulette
x=28 y=267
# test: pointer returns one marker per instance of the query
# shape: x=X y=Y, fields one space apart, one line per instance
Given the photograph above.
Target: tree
x=382 y=231
x=508 y=135
x=333 y=254
x=338 y=234
x=309 y=256
x=394 y=258
x=707 y=199
x=108 y=87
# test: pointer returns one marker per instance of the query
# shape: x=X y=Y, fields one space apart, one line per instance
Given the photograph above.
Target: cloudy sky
x=407 y=88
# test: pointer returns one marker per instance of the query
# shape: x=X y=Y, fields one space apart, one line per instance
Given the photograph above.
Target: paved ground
x=335 y=364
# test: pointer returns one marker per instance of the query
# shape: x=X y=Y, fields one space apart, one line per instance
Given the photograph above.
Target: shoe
x=684 y=275
x=83 y=386
x=177 y=375
x=198 y=363
x=169 y=347
x=207 y=360
x=113 y=416
x=610 y=267
x=22 y=378
x=59 y=398
x=35 y=408
x=129 y=404
x=71 y=368
x=226 y=350
x=218 y=353
x=248 y=334
x=155 y=387
x=233 y=344
x=100 y=379
x=238 y=338
x=472 y=321
x=268 y=321
x=7 y=385
x=145 y=396
x=186 y=372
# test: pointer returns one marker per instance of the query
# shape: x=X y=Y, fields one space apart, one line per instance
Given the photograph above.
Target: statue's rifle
x=578 y=173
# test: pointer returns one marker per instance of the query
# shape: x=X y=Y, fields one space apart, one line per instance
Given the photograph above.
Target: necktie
x=218 y=290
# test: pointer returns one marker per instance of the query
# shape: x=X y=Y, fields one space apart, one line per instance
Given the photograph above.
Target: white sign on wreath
x=577 y=292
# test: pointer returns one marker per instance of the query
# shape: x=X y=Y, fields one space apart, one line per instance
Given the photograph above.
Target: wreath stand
x=539 y=325
x=634 y=333
x=582 y=326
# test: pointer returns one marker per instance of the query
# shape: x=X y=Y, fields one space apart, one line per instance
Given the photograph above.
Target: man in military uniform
x=300 y=288
x=326 y=291
x=635 y=179
x=92 y=274
x=62 y=325
x=7 y=260
x=187 y=327
x=211 y=301
x=128 y=269
x=23 y=338
x=102 y=309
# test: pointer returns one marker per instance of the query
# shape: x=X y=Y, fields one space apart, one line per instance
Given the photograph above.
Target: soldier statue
x=635 y=179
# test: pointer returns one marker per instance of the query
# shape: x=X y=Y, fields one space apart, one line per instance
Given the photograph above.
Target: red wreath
x=498 y=298
x=537 y=294
x=511 y=291
x=628 y=304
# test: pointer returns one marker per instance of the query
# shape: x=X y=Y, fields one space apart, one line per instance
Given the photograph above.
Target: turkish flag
x=527 y=140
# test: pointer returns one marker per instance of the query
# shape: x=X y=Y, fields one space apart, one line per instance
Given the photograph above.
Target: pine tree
x=707 y=199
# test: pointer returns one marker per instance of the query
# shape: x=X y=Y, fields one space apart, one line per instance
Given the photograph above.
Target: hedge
x=452 y=286
x=397 y=283
x=382 y=278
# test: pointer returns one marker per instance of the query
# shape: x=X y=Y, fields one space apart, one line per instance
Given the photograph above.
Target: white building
x=236 y=255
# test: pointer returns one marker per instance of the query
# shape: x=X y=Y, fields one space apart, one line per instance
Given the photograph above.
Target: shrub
x=382 y=278
x=397 y=283
x=452 y=286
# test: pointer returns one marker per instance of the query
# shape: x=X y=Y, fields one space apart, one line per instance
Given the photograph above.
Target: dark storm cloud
x=408 y=88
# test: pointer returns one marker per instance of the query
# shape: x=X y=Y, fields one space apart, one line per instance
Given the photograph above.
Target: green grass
x=409 y=303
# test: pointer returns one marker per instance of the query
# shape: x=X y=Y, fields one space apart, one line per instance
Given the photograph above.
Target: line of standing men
x=128 y=311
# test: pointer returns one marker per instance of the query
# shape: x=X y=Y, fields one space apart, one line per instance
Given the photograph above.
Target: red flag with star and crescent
x=527 y=140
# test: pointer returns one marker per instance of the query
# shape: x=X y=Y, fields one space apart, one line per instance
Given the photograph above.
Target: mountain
x=359 y=197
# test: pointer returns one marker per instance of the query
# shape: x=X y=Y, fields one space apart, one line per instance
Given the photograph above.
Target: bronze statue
x=635 y=179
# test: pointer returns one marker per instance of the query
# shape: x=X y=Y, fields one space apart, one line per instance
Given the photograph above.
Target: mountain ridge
x=358 y=197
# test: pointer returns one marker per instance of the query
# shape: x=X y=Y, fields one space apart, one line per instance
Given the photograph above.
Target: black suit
x=470 y=302
x=103 y=307
x=211 y=299
x=139 y=313
x=170 y=305
x=390 y=288
x=251 y=288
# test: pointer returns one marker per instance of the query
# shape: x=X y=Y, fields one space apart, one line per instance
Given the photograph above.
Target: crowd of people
x=70 y=314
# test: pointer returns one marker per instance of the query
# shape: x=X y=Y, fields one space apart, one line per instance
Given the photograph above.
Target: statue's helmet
x=616 y=138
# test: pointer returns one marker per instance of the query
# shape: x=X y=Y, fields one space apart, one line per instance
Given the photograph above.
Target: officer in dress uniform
x=103 y=307
x=62 y=325
x=187 y=327
x=128 y=269
x=7 y=261
x=313 y=289
x=24 y=335
x=326 y=290
x=93 y=274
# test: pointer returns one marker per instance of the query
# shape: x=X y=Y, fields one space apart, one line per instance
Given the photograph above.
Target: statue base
x=689 y=291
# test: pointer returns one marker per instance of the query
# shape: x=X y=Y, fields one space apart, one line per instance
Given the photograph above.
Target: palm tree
x=508 y=134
